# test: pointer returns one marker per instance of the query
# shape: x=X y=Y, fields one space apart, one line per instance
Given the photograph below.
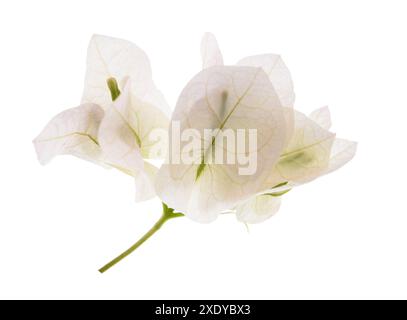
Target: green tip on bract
x=280 y=184
x=114 y=88
x=200 y=170
x=278 y=194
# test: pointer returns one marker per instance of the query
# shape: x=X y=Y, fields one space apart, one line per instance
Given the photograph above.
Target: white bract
x=73 y=131
x=112 y=133
x=124 y=137
x=223 y=97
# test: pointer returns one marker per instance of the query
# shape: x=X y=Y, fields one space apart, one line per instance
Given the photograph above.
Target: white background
x=342 y=236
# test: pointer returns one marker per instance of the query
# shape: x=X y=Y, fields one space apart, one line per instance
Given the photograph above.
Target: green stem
x=167 y=215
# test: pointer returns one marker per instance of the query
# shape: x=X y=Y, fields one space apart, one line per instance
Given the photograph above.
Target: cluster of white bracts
x=114 y=134
x=292 y=148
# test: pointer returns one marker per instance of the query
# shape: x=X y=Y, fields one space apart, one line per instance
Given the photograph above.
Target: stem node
x=168 y=214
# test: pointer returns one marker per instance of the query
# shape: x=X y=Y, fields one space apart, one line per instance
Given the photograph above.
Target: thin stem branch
x=167 y=215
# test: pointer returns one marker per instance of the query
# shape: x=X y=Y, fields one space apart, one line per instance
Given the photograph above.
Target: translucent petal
x=73 y=131
x=341 y=153
x=210 y=52
x=124 y=137
x=278 y=73
x=258 y=209
x=322 y=117
x=223 y=98
x=320 y=151
x=110 y=57
x=118 y=138
x=308 y=152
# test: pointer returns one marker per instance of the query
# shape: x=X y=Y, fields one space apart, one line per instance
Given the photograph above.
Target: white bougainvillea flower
x=314 y=149
x=206 y=206
x=236 y=143
x=124 y=132
x=223 y=98
x=109 y=132
x=307 y=153
x=73 y=131
x=312 y=152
